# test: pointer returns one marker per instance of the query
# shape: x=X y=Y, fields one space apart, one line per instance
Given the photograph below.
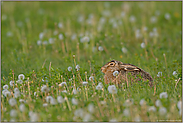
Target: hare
x=127 y=73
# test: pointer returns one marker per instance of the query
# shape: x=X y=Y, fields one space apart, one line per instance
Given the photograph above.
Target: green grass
x=20 y=54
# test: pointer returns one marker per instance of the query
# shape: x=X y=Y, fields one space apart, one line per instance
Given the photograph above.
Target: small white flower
x=12 y=83
x=21 y=77
x=6 y=93
x=158 y=103
x=128 y=102
x=167 y=16
x=159 y=74
x=163 y=95
x=174 y=73
x=41 y=35
x=44 y=88
x=19 y=81
x=74 y=101
x=69 y=68
x=77 y=67
x=100 y=48
x=22 y=101
x=45 y=104
x=126 y=112
x=179 y=105
x=132 y=18
x=5 y=87
x=91 y=78
x=145 y=28
x=91 y=108
x=142 y=102
x=60 y=25
x=153 y=19
x=152 y=108
x=60 y=99
x=142 y=45
x=75 y=91
x=34 y=117
x=60 y=36
x=63 y=83
x=115 y=73
x=51 y=40
x=13 y=113
x=162 y=111
x=112 y=89
x=124 y=50
x=85 y=83
x=84 y=39
x=22 y=107
x=12 y=102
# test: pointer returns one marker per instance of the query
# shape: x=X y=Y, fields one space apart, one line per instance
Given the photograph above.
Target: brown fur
x=124 y=73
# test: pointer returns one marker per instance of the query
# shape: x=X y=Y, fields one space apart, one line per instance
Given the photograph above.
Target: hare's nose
x=102 y=69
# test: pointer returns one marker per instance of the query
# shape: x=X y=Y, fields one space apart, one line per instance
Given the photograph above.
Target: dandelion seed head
x=60 y=25
x=86 y=117
x=163 y=95
x=51 y=40
x=91 y=108
x=13 y=113
x=64 y=91
x=162 y=111
x=152 y=108
x=84 y=39
x=126 y=112
x=53 y=101
x=22 y=107
x=142 y=45
x=174 y=73
x=12 y=102
x=45 y=104
x=115 y=73
x=124 y=50
x=60 y=36
x=142 y=102
x=77 y=67
x=69 y=68
x=60 y=99
x=91 y=78
x=9 y=34
x=12 y=83
x=159 y=74
x=21 y=77
x=128 y=102
x=167 y=16
x=62 y=84
x=74 y=101
x=6 y=93
x=17 y=94
x=48 y=99
x=132 y=18
x=158 y=103
x=179 y=105
x=153 y=19
x=100 y=48
x=41 y=35
x=75 y=91
x=112 y=89
x=44 y=88
x=85 y=83
x=34 y=117
x=39 y=42
x=79 y=112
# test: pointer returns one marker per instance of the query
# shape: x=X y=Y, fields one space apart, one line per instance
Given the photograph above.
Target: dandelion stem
x=176 y=83
x=68 y=103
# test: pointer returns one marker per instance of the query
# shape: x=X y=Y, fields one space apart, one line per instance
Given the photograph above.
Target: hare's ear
x=129 y=67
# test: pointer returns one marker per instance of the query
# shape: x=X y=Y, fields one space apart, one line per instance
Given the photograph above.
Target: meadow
x=52 y=53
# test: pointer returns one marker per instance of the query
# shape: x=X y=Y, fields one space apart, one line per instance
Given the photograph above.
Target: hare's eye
x=112 y=64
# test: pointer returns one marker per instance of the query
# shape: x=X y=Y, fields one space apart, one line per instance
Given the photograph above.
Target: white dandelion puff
x=9 y=34
x=124 y=50
x=19 y=81
x=174 y=73
x=126 y=112
x=153 y=19
x=79 y=112
x=86 y=117
x=21 y=77
x=84 y=39
x=91 y=78
x=99 y=87
x=100 y=48
x=115 y=73
x=60 y=25
x=163 y=95
x=45 y=104
x=74 y=101
x=128 y=102
x=51 y=40
x=34 y=117
x=41 y=35
x=167 y=16
x=112 y=89
x=91 y=108
x=44 y=88
x=5 y=87
x=13 y=113
x=77 y=67
x=60 y=99
x=159 y=74
x=152 y=108
x=12 y=83
x=12 y=102
x=162 y=111
x=179 y=105
x=22 y=107
x=39 y=42
x=142 y=45
x=60 y=36
x=142 y=102
x=69 y=68
x=62 y=84
x=158 y=103
x=6 y=93
x=132 y=18
x=64 y=91
x=17 y=94
x=48 y=99
x=75 y=91
x=53 y=101
x=85 y=83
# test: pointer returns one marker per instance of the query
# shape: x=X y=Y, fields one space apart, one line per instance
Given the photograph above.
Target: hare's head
x=111 y=66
